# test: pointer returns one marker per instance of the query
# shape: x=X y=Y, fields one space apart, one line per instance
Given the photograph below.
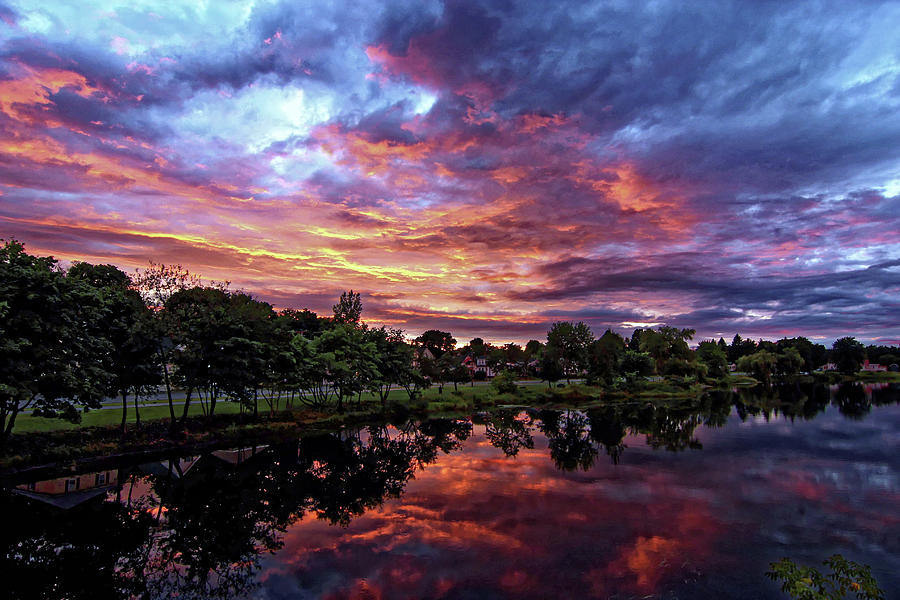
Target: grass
x=106 y=418
x=430 y=401
x=38 y=440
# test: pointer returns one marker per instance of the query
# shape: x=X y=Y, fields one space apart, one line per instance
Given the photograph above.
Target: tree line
x=71 y=338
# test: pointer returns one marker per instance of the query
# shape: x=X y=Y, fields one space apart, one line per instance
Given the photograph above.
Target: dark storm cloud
x=714 y=90
x=726 y=165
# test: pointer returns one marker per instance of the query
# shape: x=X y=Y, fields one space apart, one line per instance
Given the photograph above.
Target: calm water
x=632 y=502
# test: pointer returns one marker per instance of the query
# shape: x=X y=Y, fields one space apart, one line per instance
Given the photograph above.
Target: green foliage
x=436 y=342
x=638 y=364
x=346 y=359
x=569 y=343
x=52 y=355
x=605 y=358
x=759 y=364
x=549 y=367
x=790 y=361
x=348 y=310
x=713 y=356
x=845 y=577
x=740 y=347
x=813 y=355
x=848 y=355
x=505 y=382
x=634 y=343
x=666 y=343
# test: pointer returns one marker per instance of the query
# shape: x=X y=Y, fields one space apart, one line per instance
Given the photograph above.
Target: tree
x=570 y=342
x=605 y=357
x=50 y=355
x=477 y=347
x=740 y=347
x=790 y=361
x=533 y=349
x=636 y=364
x=806 y=583
x=666 y=343
x=514 y=355
x=127 y=327
x=219 y=343
x=156 y=284
x=303 y=321
x=550 y=369
x=309 y=378
x=634 y=343
x=248 y=345
x=848 y=355
x=713 y=356
x=390 y=360
x=346 y=357
x=436 y=342
x=459 y=373
x=348 y=310
x=760 y=364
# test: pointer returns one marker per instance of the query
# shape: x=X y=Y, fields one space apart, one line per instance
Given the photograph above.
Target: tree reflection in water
x=197 y=528
x=201 y=532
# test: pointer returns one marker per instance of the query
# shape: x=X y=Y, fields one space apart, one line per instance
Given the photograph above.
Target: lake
x=689 y=500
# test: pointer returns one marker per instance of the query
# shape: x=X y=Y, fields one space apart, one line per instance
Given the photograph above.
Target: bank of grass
x=45 y=441
x=877 y=377
x=106 y=418
x=430 y=401
x=862 y=376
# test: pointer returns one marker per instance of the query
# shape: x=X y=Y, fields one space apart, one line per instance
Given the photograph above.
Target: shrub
x=505 y=383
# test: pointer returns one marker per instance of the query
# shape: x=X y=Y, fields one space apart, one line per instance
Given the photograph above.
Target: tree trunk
x=8 y=424
x=137 y=412
x=168 y=390
x=187 y=403
x=124 y=411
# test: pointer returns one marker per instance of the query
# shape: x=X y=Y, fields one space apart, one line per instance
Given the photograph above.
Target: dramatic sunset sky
x=483 y=168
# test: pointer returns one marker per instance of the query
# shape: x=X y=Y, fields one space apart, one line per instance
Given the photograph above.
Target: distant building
x=873 y=367
x=478 y=364
x=420 y=356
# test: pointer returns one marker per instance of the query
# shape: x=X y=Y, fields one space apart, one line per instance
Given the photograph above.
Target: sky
x=483 y=168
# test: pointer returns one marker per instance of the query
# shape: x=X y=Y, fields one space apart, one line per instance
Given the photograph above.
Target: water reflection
x=614 y=501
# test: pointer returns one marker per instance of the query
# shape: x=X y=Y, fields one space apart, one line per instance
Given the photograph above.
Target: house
x=421 y=355
x=478 y=364
x=873 y=367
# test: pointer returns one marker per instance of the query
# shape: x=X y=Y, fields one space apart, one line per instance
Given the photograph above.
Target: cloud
x=487 y=165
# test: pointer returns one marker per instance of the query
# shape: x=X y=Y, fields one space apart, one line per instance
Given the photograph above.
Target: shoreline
x=64 y=450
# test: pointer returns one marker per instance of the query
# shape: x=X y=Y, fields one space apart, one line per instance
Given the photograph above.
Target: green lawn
x=101 y=418
x=468 y=397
